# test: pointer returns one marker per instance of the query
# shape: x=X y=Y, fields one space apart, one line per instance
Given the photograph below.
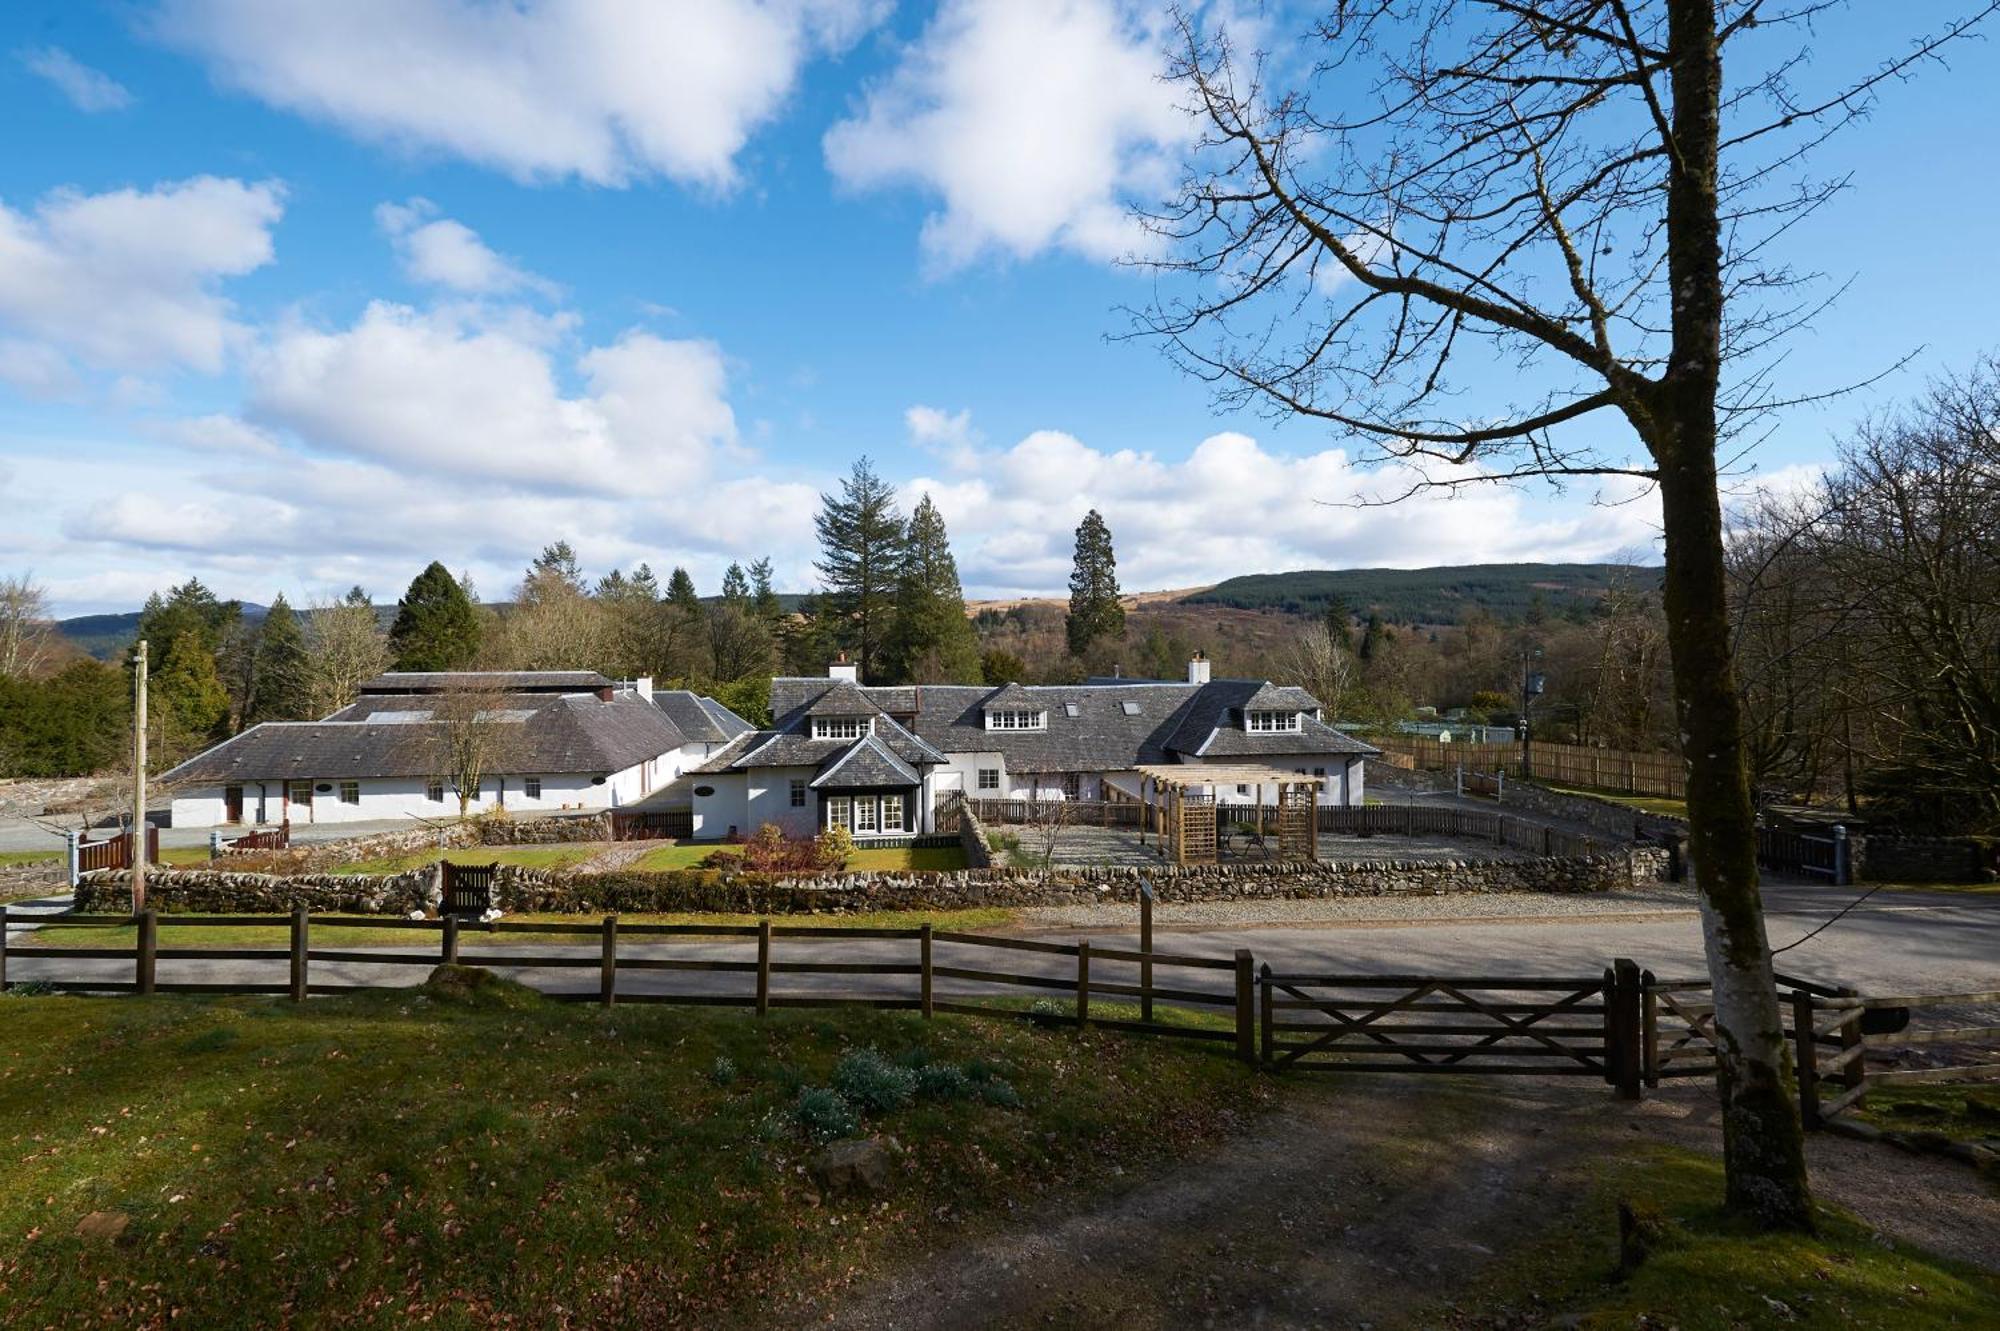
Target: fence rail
x=1634 y=773
x=1825 y=855
x=651 y=824
x=115 y=852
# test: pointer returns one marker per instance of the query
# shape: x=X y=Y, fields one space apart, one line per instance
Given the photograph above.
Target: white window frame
x=839 y=811
x=982 y=783
x=867 y=815
x=842 y=727
x=1262 y=722
x=892 y=813
x=531 y=787
x=340 y=792
x=798 y=793
x=1016 y=718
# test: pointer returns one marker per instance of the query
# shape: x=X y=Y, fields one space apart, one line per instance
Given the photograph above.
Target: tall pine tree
x=437 y=626
x=930 y=639
x=278 y=685
x=1094 y=609
x=861 y=540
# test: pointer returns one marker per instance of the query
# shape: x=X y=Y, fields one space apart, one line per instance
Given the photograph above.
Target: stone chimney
x=1198 y=669
x=643 y=686
x=842 y=668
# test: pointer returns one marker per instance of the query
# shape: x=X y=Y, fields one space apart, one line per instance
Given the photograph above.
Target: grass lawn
x=1961 y=889
x=1644 y=803
x=560 y=856
x=1964 y=1113
x=8 y=857
x=412 y=940
x=1706 y=1272
x=690 y=854
x=395 y=1160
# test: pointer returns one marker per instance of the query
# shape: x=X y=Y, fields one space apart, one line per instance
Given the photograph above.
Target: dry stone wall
x=220 y=891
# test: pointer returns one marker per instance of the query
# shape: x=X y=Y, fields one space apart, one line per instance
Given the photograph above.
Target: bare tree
x=345 y=648
x=1570 y=192
x=1048 y=818
x=474 y=734
x=1323 y=668
x=27 y=632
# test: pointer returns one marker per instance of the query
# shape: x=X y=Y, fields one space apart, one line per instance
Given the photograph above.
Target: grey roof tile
x=867 y=765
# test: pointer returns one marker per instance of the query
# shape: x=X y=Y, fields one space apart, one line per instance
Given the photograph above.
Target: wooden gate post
x=148 y=950
x=1627 y=1024
x=301 y=934
x=1807 y=1056
x=924 y=969
x=763 y=967
x=450 y=946
x=1266 y=1030
x=607 y=970
x=3 y=947
x=1649 y=1031
x=1145 y=950
x=1082 y=983
x=1246 y=1006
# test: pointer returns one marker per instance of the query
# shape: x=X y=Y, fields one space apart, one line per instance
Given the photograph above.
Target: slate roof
x=868 y=765
x=504 y=681
x=557 y=733
x=843 y=698
x=702 y=720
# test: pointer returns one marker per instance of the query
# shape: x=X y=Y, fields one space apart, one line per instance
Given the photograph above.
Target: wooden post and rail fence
x=1631 y=772
x=1623 y=1026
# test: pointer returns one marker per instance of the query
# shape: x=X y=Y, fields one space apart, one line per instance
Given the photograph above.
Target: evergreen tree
x=685 y=642
x=613 y=586
x=736 y=587
x=999 y=666
x=437 y=626
x=555 y=573
x=1340 y=624
x=192 y=704
x=190 y=609
x=1373 y=636
x=681 y=593
x=1094 y=610
x=930 y=639
x=861 y=563
x=764 y=595
x=644 y=586
x=278 y=682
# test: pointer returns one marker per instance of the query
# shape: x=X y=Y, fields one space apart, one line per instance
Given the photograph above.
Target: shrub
x=769 y=850
x=872 y=1082
x=835 y=849
x=723 y=1071
x=824 y=1115
x=943 y=1081
x=1051 y=1007
x=1000 y=1093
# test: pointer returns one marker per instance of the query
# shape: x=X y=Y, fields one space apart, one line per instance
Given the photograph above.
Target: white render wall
x=1343 y=779
x=404 y=797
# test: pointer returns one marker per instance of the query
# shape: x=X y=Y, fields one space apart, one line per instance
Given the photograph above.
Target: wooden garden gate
x=468 y=888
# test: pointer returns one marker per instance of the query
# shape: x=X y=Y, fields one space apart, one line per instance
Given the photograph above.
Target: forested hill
x=1431 y=595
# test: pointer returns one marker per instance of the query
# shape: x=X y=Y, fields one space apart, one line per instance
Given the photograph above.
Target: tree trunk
x=1763 y=1147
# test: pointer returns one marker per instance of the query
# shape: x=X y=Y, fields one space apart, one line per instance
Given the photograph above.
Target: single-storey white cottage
x=877 y=760
x=574 y=740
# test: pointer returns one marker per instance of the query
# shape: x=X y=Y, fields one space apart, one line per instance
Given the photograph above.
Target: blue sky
x=296 y=295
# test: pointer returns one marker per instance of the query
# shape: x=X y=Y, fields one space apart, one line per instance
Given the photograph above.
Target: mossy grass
x=1703 y=1270
x=1969 y=1113
x=1670 y=808
x=453 y=1160
x=690 y=854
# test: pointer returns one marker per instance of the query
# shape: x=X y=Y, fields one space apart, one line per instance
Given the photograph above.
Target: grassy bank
x=561 y=856
x=385 y=1161
x=278 y=935
x=1969 y=1113
x=690 y=854
x=1670 y=808
x=1707 y=1272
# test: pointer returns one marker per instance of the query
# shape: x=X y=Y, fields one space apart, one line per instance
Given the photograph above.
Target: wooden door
x=232 y=804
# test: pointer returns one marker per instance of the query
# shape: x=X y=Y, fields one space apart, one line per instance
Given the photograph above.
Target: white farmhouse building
x=877 y=760
x=571 y=740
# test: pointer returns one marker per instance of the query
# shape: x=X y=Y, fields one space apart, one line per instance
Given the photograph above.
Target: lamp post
x=1532 y=684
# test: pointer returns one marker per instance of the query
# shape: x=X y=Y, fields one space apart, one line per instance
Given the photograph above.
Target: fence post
x=1807 y=1057
x=1269 y=1036
x=1145 y=950
x=74 y=848
x=763 y=967
x=1843 y=868
x=1246 y=1006
x=148 y=950
x=924 y=969
x=607 y=970
x=1458 y=782
x=301 y=937
x=3 y=947
x=1649 y=1030
x=451 y=940
x=214 y=844
x=1627 y=1027
x=1082 y=983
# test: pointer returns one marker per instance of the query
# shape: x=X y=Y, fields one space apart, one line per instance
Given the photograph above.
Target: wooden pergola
x=1178 y=804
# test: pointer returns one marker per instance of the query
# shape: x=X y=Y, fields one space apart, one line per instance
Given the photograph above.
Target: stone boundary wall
x=972 y=838
x=1612 y=819
x=518 y=889
x=313 y=856
x=1375 y=773
x=224 y=891
x=1896 y=859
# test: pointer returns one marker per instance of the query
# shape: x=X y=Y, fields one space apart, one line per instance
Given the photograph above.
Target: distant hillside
x=1428 y=595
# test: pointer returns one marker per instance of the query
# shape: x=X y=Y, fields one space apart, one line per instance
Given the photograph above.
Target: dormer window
x=842 y=727
x=1270 y=722
x=1009 y=718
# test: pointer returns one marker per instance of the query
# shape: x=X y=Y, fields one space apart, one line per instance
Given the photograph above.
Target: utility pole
x=138 y=841
x=1532 y=683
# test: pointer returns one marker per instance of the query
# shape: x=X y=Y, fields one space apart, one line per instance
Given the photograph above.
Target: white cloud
x=455 y=393
x=438 y=251
x=37 y=369
x=604 y=90
x=129 y=278
x=1031 y=120
x=1233 y=507
x=947 y=434
x=87 y=89
x=223 y=434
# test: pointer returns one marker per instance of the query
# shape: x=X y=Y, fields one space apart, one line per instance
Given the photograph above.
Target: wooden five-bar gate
x=651 y=824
